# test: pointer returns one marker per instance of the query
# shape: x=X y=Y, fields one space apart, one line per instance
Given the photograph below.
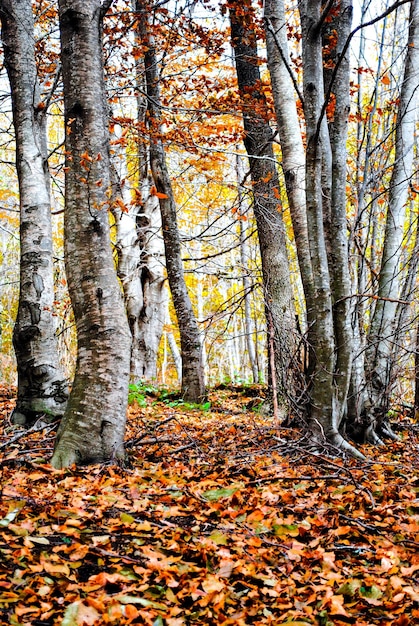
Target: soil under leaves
x=219 y=517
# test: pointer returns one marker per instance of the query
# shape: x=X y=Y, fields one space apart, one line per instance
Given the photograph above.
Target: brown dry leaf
x=229 y=530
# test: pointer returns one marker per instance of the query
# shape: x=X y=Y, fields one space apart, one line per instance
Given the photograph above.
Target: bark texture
x=323 y=163
x=141 y=270
x=279 y=306
x=337 y=74
x=94 y=423
x=381 y=338
x=292 y=148
x=140 y=246
x=247 y=286
x=193 y=383
x=42 y=388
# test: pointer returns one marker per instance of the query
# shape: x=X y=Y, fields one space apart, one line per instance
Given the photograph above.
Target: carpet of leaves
x=219 y=517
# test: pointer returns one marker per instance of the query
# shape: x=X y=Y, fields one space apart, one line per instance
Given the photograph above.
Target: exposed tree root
x=339 y=442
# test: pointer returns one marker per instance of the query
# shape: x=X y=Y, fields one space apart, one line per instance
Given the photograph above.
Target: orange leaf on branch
x=157 y=194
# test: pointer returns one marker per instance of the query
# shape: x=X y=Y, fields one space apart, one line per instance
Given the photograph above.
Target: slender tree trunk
x=357 y=396
x=279 y=306
x=193 y=384
x=94 y=423
x=416 y=402
x=42 y=388
x=337 y=82
x=141 y=271
x=155 y=294
x=325 y=409
x=147 y=327
x=381 y=336
x=244 y=251
x=284 y=86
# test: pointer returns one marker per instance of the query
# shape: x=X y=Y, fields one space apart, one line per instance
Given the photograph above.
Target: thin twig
x=35 y=428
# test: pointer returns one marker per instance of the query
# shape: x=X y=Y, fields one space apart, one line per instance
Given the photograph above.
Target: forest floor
x=219 y=517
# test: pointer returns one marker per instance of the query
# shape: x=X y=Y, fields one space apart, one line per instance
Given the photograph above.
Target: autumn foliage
x=219 y=517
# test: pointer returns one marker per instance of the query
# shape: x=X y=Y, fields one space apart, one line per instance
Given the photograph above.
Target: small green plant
x=205 y=406
x=136 y=394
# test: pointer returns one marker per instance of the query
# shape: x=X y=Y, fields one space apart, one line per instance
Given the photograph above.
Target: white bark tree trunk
x=42 y=388
x=140 y=250
x=290 y=136
x=326 y=400
x=337 y=75
x=381 y=335
x=94 y=423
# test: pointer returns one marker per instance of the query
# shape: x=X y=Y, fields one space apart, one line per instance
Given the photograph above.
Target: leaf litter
x=219 y=517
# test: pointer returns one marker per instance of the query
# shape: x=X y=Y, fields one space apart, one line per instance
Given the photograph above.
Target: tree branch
x=373 y=21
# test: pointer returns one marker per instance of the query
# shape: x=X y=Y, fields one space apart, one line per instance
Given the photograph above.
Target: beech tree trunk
x=284 y=85
x=380 y=349
x=337 y=74
x=193 y=383
x=357 y=395
x=141 y=271
x=140 y=246
x=279 y=305
x=416 y=381
x=323 y=164
x=244 y=253
x=94 y=423
x=42 y=388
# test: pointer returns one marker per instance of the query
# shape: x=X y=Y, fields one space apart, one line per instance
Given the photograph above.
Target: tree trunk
x=284 y=86
x=416 y=381
x=244 y=253
x=42 y=388
x=94 y=423
x=381 y=336
x=358 y=394
x=337 y=74
x=325 y=407
x=141 y=272
x=193 y=385
x=279 y=306
x=140 y=247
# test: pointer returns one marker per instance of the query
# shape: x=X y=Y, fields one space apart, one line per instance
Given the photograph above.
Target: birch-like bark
x=94 y=423
x=337 y=76
x=322 y=391
x=279 y=305
x=358 y=393
x=141 y=271
x=292 y=147
x=381 y=335
x=244 y=253
x=193 y=383
x=416 y=370
x=42 y=388
x=148 y=326
x=325 y=411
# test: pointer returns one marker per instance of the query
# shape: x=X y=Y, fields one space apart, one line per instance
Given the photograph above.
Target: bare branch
x=376 y=19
